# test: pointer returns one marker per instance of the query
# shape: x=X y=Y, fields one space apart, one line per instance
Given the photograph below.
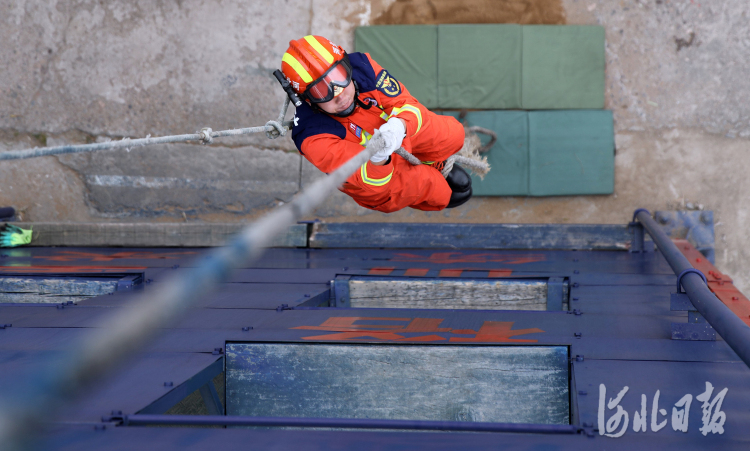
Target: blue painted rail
x=731 y=328
x=356 y=423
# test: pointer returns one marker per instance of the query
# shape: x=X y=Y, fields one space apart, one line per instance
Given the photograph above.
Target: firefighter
x=349 y=96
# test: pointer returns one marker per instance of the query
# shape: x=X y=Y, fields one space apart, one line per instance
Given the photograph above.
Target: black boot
x=458 y=179
x=460 y=183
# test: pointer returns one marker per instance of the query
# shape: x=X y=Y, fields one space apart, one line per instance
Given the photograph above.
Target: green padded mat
x=563 y=67
x=508 y=157
x=479 y=66
x=493 y=66
x=407 y=52
x=571 y=152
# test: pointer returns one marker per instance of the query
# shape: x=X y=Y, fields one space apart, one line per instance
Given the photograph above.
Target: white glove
x=392 y=133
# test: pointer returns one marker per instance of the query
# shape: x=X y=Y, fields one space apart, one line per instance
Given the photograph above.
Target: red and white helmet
x=317 y=69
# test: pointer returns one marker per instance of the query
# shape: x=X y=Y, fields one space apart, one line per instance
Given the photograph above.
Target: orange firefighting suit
x=329 y=141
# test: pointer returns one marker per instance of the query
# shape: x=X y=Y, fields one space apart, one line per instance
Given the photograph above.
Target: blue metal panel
x=52 y=315
x=204 y=378
x=241 y=295
x=467 y=236
x=85 y=437
x=658 y=349
x=284 y=276
x=673 y=380
x=555 y=293
x=340 y=292
x=620 y=323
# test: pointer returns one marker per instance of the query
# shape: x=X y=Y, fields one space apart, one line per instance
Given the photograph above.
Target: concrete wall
x=82 y=71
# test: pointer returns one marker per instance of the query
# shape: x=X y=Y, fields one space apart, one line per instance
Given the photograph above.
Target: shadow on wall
x=422 y=12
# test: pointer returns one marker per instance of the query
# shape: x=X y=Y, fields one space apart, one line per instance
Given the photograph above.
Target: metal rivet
x=577 y=335
x=575 y=271
x=246 y=328
x=735 y=298
x=166 y=384
x=582 y=392
x=575 y=299
x=307 y=295
x=575 y=259
x=175 y=266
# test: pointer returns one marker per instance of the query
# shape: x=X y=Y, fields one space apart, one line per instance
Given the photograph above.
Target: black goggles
x=331 y=84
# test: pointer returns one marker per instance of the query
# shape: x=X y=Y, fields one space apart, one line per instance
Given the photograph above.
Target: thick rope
x=468 y=156
x=133 y=326
x=273 y=130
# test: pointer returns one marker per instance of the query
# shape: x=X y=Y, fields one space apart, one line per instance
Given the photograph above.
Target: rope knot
x=276 y=129
x=205 y=135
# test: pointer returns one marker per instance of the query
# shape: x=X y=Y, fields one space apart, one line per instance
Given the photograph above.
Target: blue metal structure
x=631 y=384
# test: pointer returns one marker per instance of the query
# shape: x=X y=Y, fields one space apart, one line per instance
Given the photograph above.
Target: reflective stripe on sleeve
x=365 y=138
x=412 y=109
x=374 y=182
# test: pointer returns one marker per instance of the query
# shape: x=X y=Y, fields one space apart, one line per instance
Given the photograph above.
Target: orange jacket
x=329 y=141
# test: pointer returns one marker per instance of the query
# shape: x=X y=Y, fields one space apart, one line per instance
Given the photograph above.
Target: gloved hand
x=392 y=133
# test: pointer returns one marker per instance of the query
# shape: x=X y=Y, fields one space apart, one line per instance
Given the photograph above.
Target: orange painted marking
x=449 y=258
x=500 y=273
x=383 y=271
x=346 y=330
x=70 y=269
x=720 y=284
x=450 y=272
x=67 y=256
x=416 y=272
x=494 y=332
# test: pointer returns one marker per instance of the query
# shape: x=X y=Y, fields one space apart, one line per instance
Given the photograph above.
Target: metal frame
x=731 y=328
x=353 y=423
x=202 y=381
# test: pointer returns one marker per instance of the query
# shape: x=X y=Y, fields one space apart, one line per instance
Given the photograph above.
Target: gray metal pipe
x=732 y=329
x=355 y=423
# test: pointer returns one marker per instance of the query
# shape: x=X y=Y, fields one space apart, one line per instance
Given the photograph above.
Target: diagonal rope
x=124 y=333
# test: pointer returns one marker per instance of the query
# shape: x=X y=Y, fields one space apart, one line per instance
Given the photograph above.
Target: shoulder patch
x=386 y=84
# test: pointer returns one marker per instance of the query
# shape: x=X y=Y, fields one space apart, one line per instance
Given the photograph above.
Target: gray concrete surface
x=81 y=71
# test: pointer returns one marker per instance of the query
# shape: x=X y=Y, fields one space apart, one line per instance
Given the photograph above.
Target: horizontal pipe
x=349 y=423
x=732 y=329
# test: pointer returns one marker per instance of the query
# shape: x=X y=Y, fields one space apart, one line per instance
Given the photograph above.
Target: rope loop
x=448 y=167
x=276 y=131
x=205 y=135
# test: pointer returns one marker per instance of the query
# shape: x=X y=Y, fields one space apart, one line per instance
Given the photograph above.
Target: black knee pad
x=458 y=179
x=459 y=198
